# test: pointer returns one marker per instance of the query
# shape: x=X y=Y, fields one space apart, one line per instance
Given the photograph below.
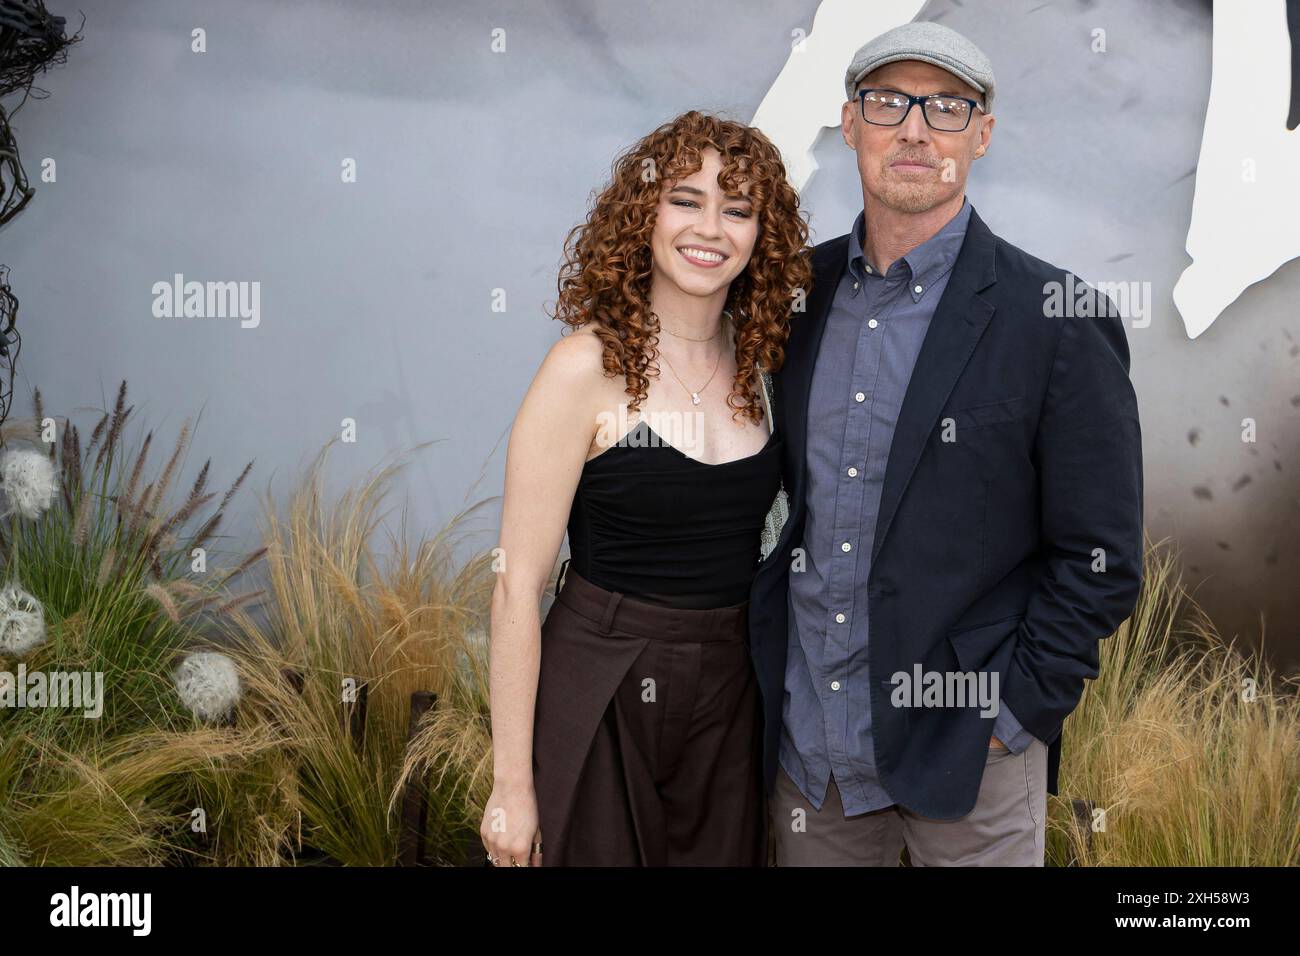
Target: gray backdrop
x=376 y=296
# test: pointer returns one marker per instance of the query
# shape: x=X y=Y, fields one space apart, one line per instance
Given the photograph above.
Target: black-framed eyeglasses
x=942 y=112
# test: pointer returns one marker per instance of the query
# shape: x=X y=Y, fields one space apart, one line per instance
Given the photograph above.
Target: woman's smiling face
x=703 y=238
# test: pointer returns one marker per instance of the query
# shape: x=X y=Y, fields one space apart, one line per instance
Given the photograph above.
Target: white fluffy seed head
x=208 y=684
x=22 y=621
x=29 y=481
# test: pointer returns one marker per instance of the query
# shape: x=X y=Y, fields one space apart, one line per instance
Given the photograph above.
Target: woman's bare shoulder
x=577 y=360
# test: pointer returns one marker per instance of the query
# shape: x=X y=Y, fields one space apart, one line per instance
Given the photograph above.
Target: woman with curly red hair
x=626 y=727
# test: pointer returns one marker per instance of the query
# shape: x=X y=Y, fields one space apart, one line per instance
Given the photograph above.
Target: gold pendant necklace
x=695 y=395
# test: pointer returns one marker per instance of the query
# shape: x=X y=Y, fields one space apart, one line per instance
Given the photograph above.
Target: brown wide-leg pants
x=647 y=735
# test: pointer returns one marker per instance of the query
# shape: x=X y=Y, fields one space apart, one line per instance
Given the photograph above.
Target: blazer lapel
x=956 y=326
x=829 y=262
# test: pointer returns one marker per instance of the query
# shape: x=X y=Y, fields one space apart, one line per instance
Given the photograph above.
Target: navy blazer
x=987 y=553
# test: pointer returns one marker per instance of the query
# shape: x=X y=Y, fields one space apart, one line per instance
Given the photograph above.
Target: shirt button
x=872 y=324
x=860 y=397
x=835 y=685
x=868 y=269
x=918 y=290
x=853 y=472
x=846 y=546
x=855 y=284
x=839 y=618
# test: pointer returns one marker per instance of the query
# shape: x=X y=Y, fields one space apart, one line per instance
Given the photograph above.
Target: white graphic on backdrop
x=1246 y=205
x=807 y=94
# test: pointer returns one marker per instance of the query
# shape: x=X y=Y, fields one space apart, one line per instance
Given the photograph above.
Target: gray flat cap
x=930 y=43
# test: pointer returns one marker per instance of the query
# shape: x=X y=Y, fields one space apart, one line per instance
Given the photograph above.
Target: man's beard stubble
x=908 y=196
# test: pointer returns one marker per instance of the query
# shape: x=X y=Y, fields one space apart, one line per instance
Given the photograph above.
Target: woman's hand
x=509 y=829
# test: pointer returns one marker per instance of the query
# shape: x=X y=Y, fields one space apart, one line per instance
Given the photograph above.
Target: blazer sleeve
x=1088 y=450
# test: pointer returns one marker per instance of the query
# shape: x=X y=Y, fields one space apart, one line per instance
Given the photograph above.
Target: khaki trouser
x=1005 y=828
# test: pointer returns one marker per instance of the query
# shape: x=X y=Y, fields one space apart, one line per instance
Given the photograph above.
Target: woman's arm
x=549 y=443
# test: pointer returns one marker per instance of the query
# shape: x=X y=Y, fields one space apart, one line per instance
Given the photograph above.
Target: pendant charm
x=695 y=397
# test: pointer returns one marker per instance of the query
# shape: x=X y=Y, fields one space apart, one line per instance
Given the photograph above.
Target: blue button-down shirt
x=873 y=335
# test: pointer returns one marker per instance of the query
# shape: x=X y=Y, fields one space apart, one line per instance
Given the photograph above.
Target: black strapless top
x=659 y=526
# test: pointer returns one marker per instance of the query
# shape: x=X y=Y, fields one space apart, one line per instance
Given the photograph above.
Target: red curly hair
x=605 y=278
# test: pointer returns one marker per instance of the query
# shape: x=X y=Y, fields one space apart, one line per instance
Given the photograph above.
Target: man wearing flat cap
x=965 y=478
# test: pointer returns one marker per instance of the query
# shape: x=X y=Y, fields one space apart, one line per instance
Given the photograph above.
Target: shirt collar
x=924 y=265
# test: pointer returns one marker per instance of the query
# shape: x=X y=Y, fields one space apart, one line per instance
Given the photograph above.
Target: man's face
x=910 y=167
